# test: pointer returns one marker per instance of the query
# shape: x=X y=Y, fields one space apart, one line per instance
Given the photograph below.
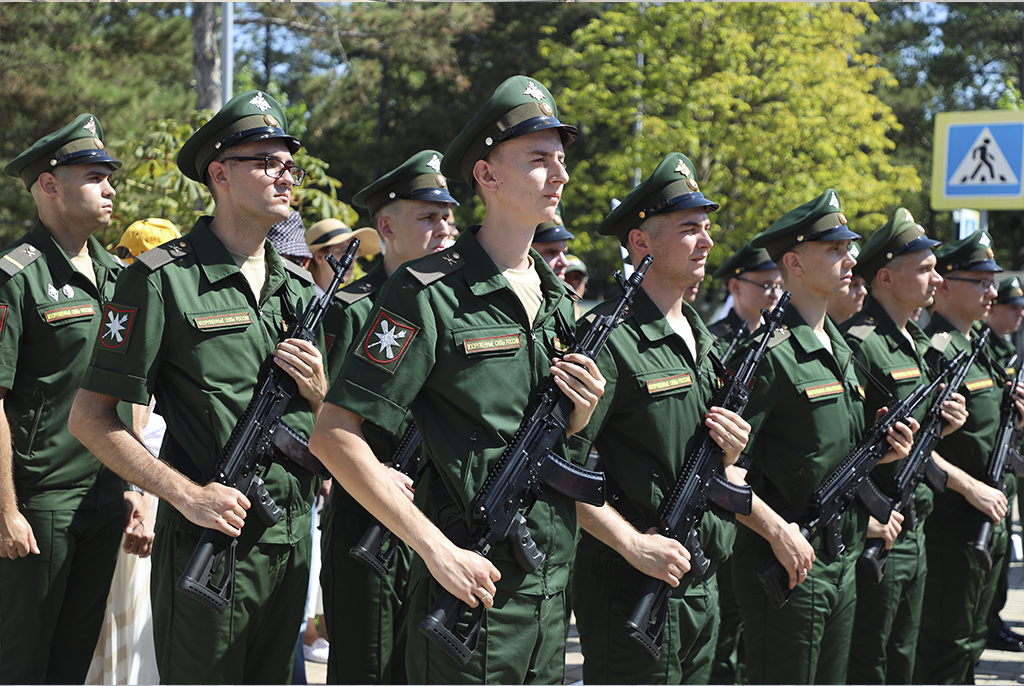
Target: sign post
x=978 y=160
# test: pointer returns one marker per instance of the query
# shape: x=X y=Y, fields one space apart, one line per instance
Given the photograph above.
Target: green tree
x=772 y=102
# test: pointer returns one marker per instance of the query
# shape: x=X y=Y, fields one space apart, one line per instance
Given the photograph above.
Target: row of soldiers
x=456 y=342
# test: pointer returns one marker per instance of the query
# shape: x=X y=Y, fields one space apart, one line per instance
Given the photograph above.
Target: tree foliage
x=772 y=102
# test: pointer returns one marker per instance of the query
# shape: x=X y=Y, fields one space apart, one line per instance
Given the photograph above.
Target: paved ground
x=996 y=667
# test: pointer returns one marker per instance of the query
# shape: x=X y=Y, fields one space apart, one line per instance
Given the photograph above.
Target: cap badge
x=441 y=181
x=984 y=240
x=558 y=220
x=435 y=164
x=681 y=168
x=260 y=102
x=842 y=219
x=98 y=143
x=834 y=200
x=545 y=109
x=989 y=252
x=533 y=91
x=692 y=183
x=271 y=121
x=907 y=217
x=90 y=126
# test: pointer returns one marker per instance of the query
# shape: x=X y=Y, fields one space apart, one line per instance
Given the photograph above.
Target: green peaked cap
x=418 y=178
x=80 y=142
x=1010 y=292
x=249 y=116
x=970 y=254
x=672 y=187
x=519 y=106
x=820 y=219
x=900 y=235
x=746 y=259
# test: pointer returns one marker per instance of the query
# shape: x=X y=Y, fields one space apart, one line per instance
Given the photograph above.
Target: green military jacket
x=184 y=325
x=450 y=341
x=806 y=414
x=890 y=358
x=970 y=447
x=645 y=425
x=49 y=313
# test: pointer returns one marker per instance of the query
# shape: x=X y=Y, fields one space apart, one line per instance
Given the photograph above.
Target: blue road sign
x=979 y=160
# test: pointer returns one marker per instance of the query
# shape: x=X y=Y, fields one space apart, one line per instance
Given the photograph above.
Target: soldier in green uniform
x=464 y=339
x=754 y=282
x=192 y=322
x=899 y=264
x=660 y=385
x=551 y=241
x=958 y=592
x=1004 y=318
x=410 y=207
x=62 y=513
x=806 y=414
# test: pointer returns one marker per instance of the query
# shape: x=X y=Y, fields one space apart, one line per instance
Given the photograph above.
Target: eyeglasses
x=983 y=284
x=276 y=168
x=766 y=287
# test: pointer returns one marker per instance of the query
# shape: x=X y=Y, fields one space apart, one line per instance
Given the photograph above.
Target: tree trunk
x=205 y=57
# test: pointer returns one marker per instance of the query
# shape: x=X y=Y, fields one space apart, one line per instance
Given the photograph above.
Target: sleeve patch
x=116 y=327
x=387 y=342
x=3 y=321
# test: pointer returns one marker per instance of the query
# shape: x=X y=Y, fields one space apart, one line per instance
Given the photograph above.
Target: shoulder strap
x=298 y=271
x=434 y=267
x=941 y=340
x=19 y=258
x=863 y=330
x=781 y=334
x=354 y=292
x=163 y=255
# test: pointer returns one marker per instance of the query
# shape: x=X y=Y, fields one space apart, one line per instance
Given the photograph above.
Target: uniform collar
x=57 y=261
x=808 y=340
x=217 y=263
x=654 y=325
x=892 y=333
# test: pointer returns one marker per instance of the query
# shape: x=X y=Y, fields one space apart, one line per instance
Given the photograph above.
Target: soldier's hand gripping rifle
x=526 y=464
x=919 y=466
x=849 y=480
x=699 y=482
x=257 y=434
x=1004 y=459
x=376 y=549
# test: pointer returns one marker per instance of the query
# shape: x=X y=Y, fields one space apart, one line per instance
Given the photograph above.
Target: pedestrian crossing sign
x=978 y=160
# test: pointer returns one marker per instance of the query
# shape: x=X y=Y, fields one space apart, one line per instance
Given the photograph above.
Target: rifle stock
x=698 y=483
x=511 y=485
x=244 y=457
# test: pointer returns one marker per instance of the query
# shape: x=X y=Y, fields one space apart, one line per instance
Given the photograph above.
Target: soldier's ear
x=639 y=241
x=884 y=277
x=793 y=263
x=484 y=176
x=384 y=228
x=47 y=183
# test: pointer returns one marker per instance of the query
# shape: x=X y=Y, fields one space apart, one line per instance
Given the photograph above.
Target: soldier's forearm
x=8 y=494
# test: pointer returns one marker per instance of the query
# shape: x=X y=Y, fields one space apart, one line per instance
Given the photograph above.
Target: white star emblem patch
x=388 y=339
x=387 y=342
x=116 y=327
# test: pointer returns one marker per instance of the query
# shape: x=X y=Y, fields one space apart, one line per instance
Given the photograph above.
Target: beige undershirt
x=825 y=340
x=525 y=284
x=254 y=269
x=685 y=331
x=83 y=263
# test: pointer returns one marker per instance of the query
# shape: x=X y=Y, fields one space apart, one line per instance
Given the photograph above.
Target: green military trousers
x=727 y=667
x=957 y=599
x=808 y=640
x=52 y=604
x=522 y=641
x=366 y=615
x=253 y=642
x=603 y=598
x=885 y=630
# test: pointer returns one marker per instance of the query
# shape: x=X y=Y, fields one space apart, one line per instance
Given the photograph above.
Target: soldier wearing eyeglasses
x=755 y=283
x=958 y=593
x=192 y=322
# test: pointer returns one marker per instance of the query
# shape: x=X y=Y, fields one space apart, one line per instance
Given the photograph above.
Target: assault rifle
x=919 y=466
x=741 y=333
x=513 y=483
x=376 y=549
x=1004 y=459
x=699 y=482
x=849 y=480
x=256 y=436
